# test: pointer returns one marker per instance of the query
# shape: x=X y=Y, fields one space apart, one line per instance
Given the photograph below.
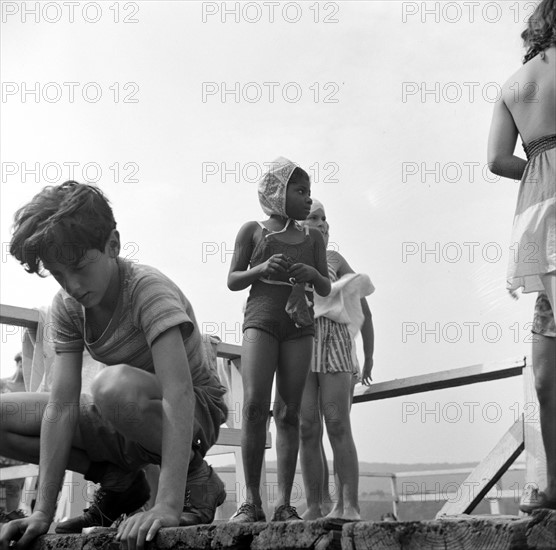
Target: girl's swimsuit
x=266 y=305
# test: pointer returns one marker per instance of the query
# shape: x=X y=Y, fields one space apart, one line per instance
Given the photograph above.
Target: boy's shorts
x=103 y=443
x=543 y=320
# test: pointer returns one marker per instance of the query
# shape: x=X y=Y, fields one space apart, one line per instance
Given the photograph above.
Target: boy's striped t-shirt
x=149 y=303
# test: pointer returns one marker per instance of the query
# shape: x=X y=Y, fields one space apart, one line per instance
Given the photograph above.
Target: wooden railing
x=519 y=436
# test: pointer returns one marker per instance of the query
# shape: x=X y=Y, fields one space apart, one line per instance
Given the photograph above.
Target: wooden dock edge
x=536 y=532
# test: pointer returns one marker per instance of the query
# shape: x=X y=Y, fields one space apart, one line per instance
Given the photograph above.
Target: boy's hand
x=366 y=377
x=277 y=263
x=302 y=273
x=24 y=531
x=143 y=526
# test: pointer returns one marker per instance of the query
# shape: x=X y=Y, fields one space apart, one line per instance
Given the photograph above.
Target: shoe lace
x=290 y=510
x=187 y=500
x=95 y=509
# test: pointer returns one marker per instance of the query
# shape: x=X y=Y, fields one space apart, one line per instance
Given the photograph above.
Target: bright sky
x=174 y=107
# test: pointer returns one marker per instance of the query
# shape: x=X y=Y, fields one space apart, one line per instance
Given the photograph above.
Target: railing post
x=395 y=496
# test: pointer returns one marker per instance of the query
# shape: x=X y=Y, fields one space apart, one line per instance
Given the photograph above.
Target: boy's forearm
x=55 y=446
x=178 y=412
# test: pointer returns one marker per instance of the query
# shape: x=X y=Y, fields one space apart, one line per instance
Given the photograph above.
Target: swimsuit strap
x=539 y=145
x=296 y=225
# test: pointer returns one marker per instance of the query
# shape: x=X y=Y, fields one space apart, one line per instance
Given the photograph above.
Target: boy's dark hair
x=60 y=224
x=540 y=33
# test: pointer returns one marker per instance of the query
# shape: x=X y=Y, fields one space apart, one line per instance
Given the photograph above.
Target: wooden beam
x=19 y=471
x=487 y=473
x=228 y=351
x=440 y=380
x=19 y=316
x=232 y=436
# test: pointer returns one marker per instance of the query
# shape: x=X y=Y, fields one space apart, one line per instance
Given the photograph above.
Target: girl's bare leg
x=336 y=401
x=544 y=359
x=258 y=364
x=310 y=447
x=294 y=363
x=327 y=503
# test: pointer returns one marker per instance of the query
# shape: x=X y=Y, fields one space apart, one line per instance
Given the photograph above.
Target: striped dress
x=334 y=349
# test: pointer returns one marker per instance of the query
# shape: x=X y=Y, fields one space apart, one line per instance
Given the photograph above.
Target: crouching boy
x=157 y=402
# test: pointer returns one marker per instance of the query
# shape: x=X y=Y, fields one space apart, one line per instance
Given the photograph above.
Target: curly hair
x=540 y=33
x=61 y=223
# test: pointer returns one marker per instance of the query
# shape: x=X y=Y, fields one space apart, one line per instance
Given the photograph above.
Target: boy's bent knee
x=119 y=386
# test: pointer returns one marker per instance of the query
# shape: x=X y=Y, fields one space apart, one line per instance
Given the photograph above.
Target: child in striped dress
x=329 y=386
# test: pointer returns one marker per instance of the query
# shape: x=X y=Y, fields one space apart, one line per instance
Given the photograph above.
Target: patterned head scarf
x=272 y=187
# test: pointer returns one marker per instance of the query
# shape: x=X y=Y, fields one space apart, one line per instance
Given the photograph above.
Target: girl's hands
x=277 y=263
x=303 y=273
x=366 y=377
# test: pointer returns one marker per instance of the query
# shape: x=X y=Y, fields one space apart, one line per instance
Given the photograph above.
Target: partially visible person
x=12 y=487
x=329 y=387
x=527 y=109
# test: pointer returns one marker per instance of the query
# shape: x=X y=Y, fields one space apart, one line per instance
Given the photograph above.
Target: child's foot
x=248 y=513
x=285 y=512
x=535 y=500
x=204 y=493
x=10 y=516
x=313 y=512
x=351 y=513
x=108 y=506
x=336 y=513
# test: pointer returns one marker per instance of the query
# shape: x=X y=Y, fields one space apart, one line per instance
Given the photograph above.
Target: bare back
x=530 y=96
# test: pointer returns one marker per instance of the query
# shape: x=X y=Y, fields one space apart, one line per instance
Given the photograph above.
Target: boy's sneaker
x=285 y=512
x=248 y=513
x=108 y=506
x=204 y=493
x=14 y=514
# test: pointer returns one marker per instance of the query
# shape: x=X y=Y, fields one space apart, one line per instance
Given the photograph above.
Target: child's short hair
x=299 y=174
x=540 y=33
x=60 y=224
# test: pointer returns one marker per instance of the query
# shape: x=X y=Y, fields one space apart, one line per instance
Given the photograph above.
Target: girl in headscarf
x=282 y=262
x=329 y=386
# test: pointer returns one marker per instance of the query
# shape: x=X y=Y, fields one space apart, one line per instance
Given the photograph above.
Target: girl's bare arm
x=501 y=144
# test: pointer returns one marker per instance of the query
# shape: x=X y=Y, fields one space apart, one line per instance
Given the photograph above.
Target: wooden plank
x=18 y=472
x=487 y=473
x=18 y=316
x=228 y=351
x=232 y=436
x=440 y=380
x=440 y=497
